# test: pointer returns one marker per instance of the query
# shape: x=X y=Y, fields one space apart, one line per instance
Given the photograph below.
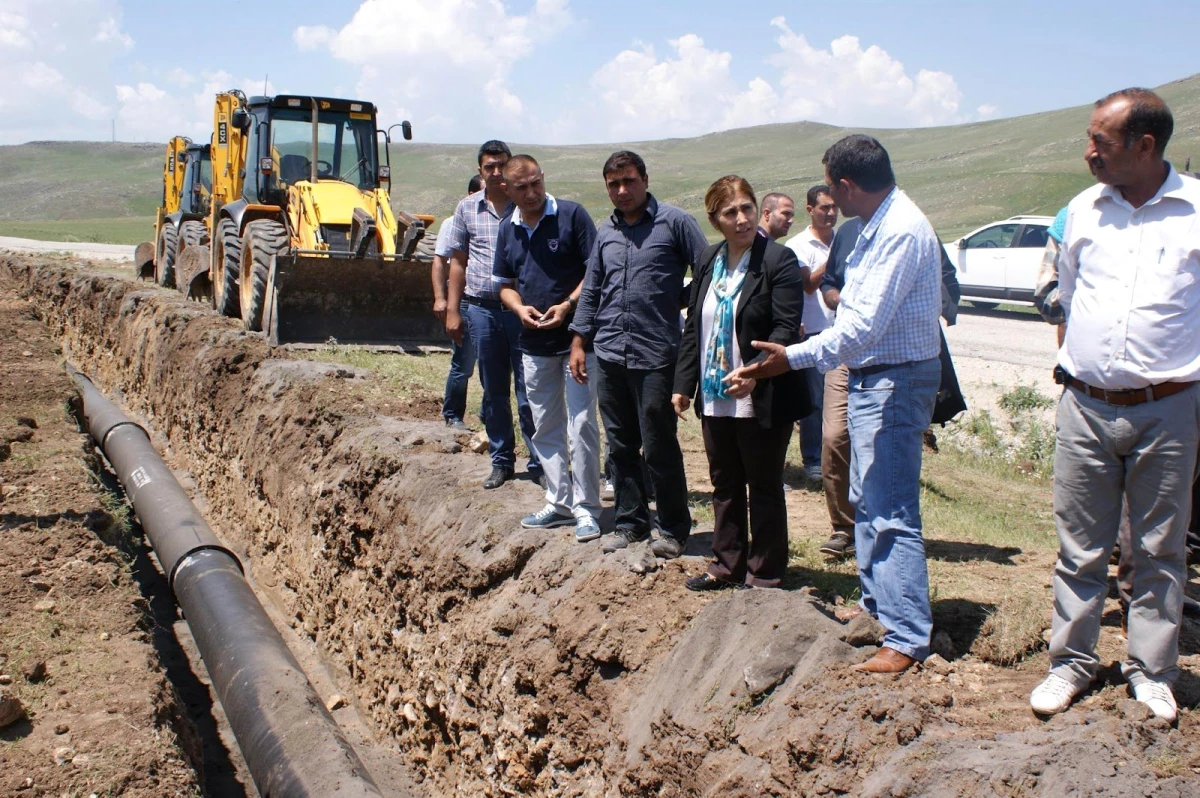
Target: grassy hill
x=962 y=176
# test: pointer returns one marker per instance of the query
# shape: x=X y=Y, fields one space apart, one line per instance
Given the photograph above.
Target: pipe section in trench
x=291 y=744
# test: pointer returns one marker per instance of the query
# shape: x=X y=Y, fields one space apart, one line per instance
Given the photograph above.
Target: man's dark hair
x=1148 y=115
x=621 y=159
x=493 y=147
x=520 y=160
x=474 y=184
x=861 y=159
x=814 y=194
x=769 y=201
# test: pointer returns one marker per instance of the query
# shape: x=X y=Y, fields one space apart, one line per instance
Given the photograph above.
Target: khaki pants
x=1145 y=457
x=835 y=451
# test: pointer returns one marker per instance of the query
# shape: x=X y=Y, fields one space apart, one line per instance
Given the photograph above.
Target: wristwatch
x=573 y=302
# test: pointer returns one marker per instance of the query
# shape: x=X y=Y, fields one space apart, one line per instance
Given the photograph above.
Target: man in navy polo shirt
x=541 y=258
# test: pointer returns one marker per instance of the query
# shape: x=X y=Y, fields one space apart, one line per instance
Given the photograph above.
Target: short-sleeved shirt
x=545 y=264
x=629 y=307
x=446 y=233
x=476 y=225
x=812 y=252
x=1129 y=283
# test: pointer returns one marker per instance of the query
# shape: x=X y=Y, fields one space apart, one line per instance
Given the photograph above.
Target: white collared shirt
x=1129 y=281
x=551 y=209
x=812 y=252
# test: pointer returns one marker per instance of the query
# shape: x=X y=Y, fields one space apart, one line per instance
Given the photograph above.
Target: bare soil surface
x=76 y=633
x=503 y=661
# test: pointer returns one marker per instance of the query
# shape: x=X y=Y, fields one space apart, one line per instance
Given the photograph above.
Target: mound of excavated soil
x=505 y=660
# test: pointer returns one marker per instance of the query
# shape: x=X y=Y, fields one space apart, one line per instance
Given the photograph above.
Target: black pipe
x=290 y=742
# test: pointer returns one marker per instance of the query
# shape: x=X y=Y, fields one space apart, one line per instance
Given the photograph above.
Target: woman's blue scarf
x=726 y=287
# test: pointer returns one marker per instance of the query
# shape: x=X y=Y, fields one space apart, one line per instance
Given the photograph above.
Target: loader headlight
x=385 y=173
x=266 y=166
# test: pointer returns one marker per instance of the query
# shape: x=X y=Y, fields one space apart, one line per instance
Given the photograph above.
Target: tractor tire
x=164 y=255
x=192 y=232
x=264 y=239
x=227 y=261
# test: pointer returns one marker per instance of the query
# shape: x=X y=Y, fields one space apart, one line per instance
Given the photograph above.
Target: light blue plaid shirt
x=475 y=229
x=889 y=308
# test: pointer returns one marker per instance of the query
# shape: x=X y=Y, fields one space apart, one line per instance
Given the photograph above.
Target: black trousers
x=639 y=422
x=744 y=458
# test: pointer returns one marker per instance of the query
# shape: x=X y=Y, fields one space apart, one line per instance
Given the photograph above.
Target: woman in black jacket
x=745 y=288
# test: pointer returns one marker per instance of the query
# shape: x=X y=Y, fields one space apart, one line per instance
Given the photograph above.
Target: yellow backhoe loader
x=182 y=219
x=305 y=246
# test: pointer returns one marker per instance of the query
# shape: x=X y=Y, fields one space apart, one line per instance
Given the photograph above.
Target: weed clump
x=1013 y=630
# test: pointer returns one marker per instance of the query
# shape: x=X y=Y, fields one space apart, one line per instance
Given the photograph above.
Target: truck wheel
x=164 y=255
x=265 y=238
x=227 y=256
x=192 y=232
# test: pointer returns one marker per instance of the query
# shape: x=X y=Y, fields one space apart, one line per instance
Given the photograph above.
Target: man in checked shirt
x=493 y=328
x=886 y=332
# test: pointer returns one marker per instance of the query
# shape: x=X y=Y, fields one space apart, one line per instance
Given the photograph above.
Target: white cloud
x=444 y=64
x=56 y=67
x=985 y=112
x=692 y=91
x=157 y=114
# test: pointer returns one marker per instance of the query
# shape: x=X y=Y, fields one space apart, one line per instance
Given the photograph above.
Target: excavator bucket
x=143 y=260
x=371 y=301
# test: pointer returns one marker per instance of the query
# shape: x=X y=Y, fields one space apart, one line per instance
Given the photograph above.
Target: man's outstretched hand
x=771 y=363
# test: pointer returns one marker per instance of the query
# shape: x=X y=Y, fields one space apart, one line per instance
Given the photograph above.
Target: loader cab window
x=198 y=174
x=346 y=147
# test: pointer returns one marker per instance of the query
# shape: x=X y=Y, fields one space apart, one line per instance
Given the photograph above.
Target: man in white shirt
x=1129 y=418
x=811 y=246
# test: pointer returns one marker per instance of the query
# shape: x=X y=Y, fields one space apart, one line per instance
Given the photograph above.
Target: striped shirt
x=476 y=225
x=890 y=304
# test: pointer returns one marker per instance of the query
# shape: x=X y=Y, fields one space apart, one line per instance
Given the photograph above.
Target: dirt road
x=84 y=250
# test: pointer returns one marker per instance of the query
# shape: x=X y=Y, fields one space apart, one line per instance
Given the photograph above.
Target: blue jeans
x=494 y=333
x=887 y=414
x=810 y=425
x=462 y=366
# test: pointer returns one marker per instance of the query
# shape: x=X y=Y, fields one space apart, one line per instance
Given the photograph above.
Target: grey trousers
x=1145 y=455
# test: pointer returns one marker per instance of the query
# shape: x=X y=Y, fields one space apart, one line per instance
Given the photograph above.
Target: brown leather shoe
x=845 y=614
x=886 y=660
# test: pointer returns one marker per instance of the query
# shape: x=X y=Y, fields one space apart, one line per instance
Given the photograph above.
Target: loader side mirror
x=406 y=130
x=241 y=119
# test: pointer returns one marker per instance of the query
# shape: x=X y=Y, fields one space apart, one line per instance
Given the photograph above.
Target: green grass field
x=121 y=230
x=961 y=176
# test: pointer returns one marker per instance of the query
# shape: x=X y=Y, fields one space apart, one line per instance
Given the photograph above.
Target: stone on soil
x=11 y=708
x=863 y=630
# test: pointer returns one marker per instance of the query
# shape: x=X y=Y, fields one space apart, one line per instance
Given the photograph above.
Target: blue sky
x=567 y=71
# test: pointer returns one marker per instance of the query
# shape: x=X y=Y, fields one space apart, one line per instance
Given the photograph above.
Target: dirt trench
x=508 y=661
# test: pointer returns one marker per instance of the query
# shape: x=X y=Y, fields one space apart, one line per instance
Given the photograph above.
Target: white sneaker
x=1159 y=698
x=1052 y=696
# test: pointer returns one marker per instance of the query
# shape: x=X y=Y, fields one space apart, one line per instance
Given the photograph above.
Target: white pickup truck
x=999 y=262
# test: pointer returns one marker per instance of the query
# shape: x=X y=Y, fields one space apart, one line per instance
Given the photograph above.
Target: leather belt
x=490 y=304
x=866 y=371
x=1132 y=396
